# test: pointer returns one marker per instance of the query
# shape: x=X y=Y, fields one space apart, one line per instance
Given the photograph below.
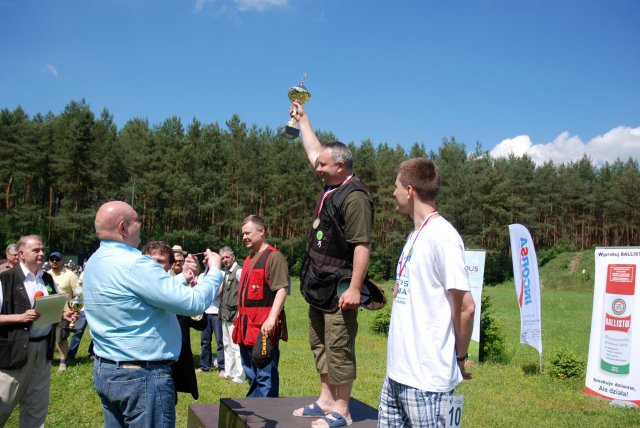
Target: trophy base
x=290 y=132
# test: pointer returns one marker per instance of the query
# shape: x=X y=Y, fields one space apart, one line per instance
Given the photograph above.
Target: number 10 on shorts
x=454 y=416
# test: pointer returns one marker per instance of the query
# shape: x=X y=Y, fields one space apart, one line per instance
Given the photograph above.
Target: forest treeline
x=193 y=185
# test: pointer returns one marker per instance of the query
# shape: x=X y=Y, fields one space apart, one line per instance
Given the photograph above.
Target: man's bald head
x=117 y=220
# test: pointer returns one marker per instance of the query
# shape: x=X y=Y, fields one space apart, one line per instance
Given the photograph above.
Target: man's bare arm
x=310 y=141
x=350 y=299
x=278 y=304
x=462 y=310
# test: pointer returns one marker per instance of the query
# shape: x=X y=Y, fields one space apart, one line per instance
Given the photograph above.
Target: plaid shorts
x=405 y=406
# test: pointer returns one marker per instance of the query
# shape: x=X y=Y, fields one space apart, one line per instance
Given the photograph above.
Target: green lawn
x=498 y=395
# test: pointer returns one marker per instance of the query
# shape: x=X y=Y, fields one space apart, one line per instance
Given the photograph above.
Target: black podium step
x=268 y=413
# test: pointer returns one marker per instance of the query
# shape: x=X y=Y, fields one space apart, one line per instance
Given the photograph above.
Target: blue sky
x=555 y=79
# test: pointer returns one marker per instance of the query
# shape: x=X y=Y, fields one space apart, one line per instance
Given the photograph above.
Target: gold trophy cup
x=75 y=305
x=299 y=94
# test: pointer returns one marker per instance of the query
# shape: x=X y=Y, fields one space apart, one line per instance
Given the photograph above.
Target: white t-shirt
x=215 y=305
x=421 y=350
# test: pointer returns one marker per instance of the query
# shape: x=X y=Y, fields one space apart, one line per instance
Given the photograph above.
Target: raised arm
x=309 y=139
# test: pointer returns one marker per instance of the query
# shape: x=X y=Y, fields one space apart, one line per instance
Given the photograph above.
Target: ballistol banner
x=612 y=372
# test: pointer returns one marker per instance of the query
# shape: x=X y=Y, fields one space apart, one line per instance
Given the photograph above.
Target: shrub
x=376 y=269
x=566 y=364
x=492 y=347
x=382 y=319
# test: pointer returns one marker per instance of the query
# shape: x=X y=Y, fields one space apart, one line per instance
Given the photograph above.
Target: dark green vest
x=329 y=257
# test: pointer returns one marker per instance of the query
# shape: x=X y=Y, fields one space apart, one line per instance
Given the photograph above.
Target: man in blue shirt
x=131 y=305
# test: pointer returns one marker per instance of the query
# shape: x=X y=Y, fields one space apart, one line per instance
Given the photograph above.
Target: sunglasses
x=53 y=259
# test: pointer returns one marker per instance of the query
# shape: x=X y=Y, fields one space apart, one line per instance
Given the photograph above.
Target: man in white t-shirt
x=432 y=314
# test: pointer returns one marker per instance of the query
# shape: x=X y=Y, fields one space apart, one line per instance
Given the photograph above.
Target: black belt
x=38 y=339
x=137 y=363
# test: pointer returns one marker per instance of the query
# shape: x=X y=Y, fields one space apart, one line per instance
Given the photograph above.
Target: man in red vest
x=263 y=289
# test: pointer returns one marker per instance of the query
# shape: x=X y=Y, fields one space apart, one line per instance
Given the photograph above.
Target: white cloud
x=225 y=6
x=621 y=142
x=52 y=69
x=199 y=5
x=259 y=5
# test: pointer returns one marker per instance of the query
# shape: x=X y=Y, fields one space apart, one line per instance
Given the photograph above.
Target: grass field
x=498 y=396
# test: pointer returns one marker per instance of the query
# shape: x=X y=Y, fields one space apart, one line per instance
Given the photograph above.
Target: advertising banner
x=527 y=282
x=612 y=373
x=474 y=263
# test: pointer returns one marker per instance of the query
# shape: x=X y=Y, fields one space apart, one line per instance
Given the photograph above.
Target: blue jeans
x=262 y=382
x=214 y=327
x=135 y=397
x=81 y=325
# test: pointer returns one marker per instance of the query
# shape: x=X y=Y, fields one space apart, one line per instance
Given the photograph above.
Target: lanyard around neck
x=326 y=193
x=424 y=223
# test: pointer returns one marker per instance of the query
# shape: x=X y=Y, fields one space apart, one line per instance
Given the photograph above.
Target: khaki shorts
x=61 y=333
x=333 y=342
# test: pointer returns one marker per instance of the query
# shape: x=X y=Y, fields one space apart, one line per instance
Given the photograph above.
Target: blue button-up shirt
x=131 y=304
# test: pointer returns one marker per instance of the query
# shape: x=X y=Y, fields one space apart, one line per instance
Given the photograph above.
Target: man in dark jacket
x=26 y=352
x=182 y=371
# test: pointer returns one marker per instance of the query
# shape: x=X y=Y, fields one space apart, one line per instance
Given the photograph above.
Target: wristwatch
x=463 y=358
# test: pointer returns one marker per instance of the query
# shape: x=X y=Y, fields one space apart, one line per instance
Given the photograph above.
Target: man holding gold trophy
x=131 y=304
x=334 y=270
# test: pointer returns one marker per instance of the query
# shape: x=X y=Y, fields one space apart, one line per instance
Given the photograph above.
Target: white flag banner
x=527 y=282
x=474 y=263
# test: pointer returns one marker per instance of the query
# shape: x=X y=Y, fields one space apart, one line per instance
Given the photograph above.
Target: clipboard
x=50 y=309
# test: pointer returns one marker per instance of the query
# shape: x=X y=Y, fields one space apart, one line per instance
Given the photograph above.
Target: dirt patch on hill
x=574 y=262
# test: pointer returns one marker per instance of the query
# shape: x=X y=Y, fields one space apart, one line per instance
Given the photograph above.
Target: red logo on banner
x=617 y=324
x=621 y=279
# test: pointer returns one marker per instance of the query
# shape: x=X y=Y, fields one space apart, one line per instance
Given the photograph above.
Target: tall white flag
x=527 y=282
x=474 y=263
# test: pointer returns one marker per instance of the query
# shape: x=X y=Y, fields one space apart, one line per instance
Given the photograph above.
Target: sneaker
x=236 y=380
x=62 y=367
x=201 y=370
x=222 y=374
